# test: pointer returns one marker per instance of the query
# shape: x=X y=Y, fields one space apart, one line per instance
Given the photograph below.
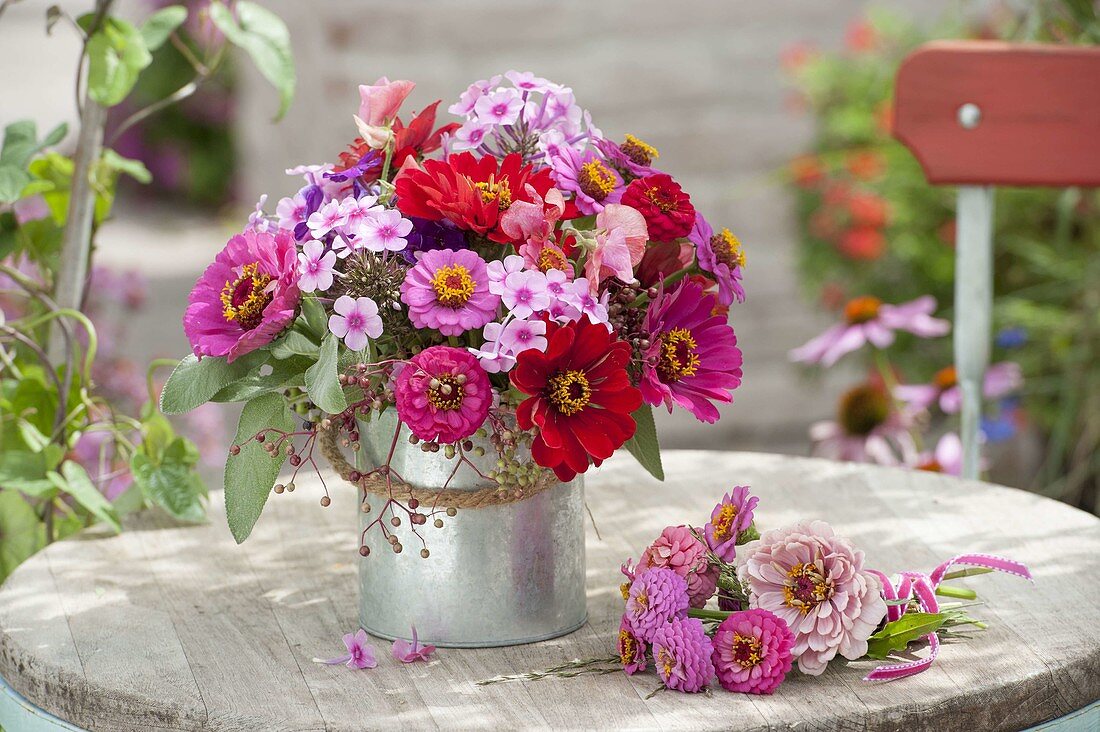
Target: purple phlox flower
x=407 y=652
x=504 y=341
x=384 y=230
x=257 y=219
x=730 y=517
x=331 y=216
x=468 y=98
x=469 y=136
x=525 y=293
x=527 y=81
x=501 y=107
x=369 y=159
x=313 y=174
x=500 y=269
x=360 y=654
x=355 y=320
x=315 y=267
x=291 y=211
x=357 y=210
x=1000 y=379
x=868 y=320
x=578 y=293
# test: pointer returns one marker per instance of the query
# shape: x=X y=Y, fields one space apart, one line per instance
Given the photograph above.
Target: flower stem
x=704 y=614
x=959 y=592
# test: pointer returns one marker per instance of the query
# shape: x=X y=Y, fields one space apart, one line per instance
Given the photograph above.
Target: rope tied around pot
x=376 y=483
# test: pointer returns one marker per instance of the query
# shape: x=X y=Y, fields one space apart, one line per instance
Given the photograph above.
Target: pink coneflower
x=682 y=655
x=586 y=175
x=631 y=648
x=1001 y=379
x=356 y=320
x=815 y=582
x=449 y=290
x=730 y=517
x=655 y=596
x=246 y=297
x=442 y=394
x=693 y=359
x=868 y=429
x=868 y=320
x=946 y=458
x=678 y=549
x=721 y=255
x=752 y=652
x=315 y=267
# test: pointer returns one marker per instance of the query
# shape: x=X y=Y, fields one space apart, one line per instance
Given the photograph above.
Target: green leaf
x=173 y=485
x=78 y=485
x=116 y=56
x=284 y=374
x=12 y=182
x=158 y=26
x=19 y=146
x=264 y=36
x=313 y=316
x=114 y=164
x=21 y=531
x=644 y=445
x=896 y=635
x=250 y=474
x=25 y=472
x=31 y=435
x=322 y=378
x=195 y=381
x=295 y=343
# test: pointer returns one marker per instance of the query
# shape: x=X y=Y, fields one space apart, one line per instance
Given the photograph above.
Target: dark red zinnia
x=470 y=192
x=581 y=397
x=667 y=209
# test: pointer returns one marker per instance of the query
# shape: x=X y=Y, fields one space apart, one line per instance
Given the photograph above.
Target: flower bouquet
x=478 y=312
x=798 y=595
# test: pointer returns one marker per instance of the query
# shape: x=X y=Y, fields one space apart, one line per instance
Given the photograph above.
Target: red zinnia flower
x=581 y=397
x=667 y=209
x=470 y=192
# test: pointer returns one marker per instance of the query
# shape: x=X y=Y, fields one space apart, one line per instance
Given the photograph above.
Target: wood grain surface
x=176 y=628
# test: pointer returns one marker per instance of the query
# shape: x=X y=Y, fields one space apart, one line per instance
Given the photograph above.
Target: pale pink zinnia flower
x=1000 y=380
x=678 y=549
x=814 y=581
x=868 y=320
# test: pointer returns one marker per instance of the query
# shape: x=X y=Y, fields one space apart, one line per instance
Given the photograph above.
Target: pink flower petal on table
x=407 y=652
x=360 y=654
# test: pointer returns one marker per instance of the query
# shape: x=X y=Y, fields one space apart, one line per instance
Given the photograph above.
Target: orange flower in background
x=863 y=243
x=868 y=209
x=861 y=36
x=807 y=171
x=865 y=164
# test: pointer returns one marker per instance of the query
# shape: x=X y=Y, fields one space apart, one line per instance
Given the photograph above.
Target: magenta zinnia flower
x=246 y=297
x=442 y=394
x=632 y=649
x=655 y=597
x=815 y=582
x=752 y=652
x=721 y=255
x=730 y=517
x=682 y=654
x=593 y=183
x=449 y=290
x=868 y=320
x=678 y=549
x=693 y=358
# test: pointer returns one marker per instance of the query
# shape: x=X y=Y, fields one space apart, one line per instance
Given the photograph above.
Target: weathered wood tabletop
x=169 y=628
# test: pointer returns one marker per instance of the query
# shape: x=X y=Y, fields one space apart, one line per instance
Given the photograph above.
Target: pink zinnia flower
x=384 y=231
x=869 y=320
x=720 y=255
x=356 y=321
x=730 y=517
x=620 y=239
x=315 y=267
x=449 y=290
x=443 y=395
x=246 y=297
x=752 y=652
x=678 y=549
x=631 y=648
x=1001 y=379
x=682 y=655
x=693 y=359
x=655 y=596
x=593 y=183
x=816 y=583
x=868 y=429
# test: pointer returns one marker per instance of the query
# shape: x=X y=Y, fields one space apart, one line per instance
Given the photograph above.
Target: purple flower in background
x=1000 y=380
x=360 y=654
x=257 y=219
x=869 y=320
x=682 y=655
x=356 y=321
x=1005 y=425
x=407 y=652
x=1011 y=338
x=947 y=458
x=427 y=235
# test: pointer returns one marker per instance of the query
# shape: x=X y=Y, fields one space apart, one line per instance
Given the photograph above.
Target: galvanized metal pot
x=498 y=575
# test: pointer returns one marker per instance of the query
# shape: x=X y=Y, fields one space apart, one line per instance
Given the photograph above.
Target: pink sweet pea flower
x=620 y=245
x=1001 y=379
x=869 y=320
x=315 y=267
x=356 y=321
x=407 y=652
x=360 y=654
x=378 y=107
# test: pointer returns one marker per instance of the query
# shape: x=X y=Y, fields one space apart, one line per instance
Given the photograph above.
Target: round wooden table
x=177 y=628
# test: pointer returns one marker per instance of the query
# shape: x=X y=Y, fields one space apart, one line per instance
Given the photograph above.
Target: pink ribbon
x=921 y=588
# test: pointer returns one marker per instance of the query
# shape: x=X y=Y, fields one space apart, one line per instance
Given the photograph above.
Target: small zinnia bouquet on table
x=513 y=279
